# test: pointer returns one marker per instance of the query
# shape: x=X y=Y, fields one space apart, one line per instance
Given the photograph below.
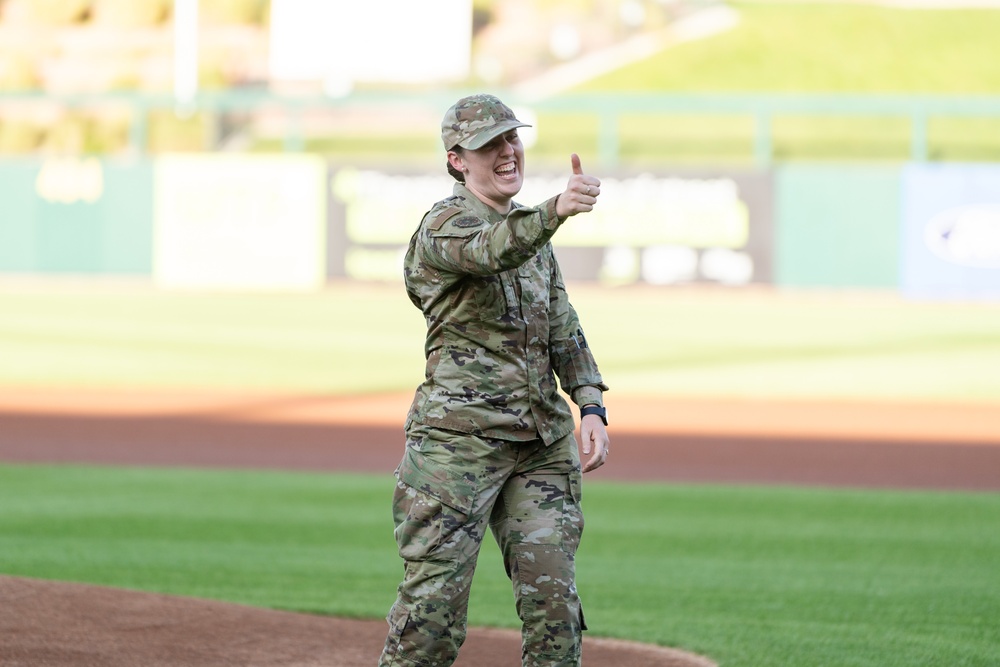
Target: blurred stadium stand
x=92 y=76
x=86 y=82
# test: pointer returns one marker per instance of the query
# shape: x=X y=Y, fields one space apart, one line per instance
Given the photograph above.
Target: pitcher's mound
x=53 y=624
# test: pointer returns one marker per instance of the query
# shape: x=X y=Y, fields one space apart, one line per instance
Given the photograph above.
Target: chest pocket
x=494 y=296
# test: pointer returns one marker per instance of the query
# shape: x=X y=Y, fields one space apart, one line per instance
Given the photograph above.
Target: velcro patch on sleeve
x=443 y=216
x=468 y=221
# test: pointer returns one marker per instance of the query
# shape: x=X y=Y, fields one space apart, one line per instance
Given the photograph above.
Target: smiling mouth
x=507 y=171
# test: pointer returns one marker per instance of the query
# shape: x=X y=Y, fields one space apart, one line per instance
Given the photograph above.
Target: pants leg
x=538 y=523
x=441 y=506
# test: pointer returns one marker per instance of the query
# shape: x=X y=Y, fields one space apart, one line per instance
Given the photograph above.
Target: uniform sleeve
x=571 y=356
x=457 y=241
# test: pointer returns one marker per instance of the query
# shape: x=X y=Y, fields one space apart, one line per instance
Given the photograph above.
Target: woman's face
x=494 y=172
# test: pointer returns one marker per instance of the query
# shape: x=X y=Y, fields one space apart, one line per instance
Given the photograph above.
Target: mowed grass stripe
x=345 y=341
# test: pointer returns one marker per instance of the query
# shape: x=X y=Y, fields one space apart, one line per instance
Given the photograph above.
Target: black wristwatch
x=595 y=410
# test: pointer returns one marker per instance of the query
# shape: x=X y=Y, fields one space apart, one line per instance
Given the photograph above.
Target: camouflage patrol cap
x=474 y=120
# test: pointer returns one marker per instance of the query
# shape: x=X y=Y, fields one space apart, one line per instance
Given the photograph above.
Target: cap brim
x=486 y=136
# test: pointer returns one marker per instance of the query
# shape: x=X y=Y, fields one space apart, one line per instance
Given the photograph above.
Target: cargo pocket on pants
x=430 y=504
x=397 y=619
x=547 y=603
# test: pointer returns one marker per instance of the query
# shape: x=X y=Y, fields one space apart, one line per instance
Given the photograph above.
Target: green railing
x=609 y=108
x=763 y=109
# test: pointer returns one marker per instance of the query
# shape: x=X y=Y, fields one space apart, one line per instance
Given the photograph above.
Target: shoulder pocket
x=443 y=216
x=458 y=222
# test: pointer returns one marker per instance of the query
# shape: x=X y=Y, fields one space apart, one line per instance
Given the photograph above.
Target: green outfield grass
x=690 y=342
x=749 y=576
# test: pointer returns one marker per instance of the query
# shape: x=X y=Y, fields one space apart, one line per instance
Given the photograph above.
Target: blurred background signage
x=226 y=222
x=951 y=231
x=663 y=228
x=378 y=41
x=737 y=144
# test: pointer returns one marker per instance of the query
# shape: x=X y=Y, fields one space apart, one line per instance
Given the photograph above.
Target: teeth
x=505 y=168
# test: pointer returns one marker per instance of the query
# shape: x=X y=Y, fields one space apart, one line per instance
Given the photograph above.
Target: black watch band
x=595 y=410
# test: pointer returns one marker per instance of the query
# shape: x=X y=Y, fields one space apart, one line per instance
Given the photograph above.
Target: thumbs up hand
x=581 y=191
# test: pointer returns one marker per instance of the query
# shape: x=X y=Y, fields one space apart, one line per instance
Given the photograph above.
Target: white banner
x=380 y=41
x=239 y=222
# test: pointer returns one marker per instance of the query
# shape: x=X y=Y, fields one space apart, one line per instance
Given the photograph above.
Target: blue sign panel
x=950 y=237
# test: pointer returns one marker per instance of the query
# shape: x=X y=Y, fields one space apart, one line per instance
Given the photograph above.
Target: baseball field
x=203 y=479
x=796 y=478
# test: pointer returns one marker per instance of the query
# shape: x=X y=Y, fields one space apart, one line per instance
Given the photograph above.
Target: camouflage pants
x=450 y=486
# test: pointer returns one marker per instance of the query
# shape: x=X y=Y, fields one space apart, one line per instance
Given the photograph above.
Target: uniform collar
x=478 y=207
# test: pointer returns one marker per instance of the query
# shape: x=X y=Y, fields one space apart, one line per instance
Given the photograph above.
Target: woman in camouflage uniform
x=489 y=439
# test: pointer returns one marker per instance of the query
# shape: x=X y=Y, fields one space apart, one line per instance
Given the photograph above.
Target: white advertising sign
x=382 y=41
x=239 y=222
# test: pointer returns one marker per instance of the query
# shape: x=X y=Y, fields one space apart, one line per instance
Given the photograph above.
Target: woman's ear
x=455 y=160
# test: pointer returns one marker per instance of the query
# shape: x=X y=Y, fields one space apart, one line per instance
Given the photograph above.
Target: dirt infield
x=889 y=445
x=47 y=624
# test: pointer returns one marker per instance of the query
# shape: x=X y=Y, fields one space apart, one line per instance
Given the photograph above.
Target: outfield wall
x=838 y=226
x=293 y=222
x=76 y=216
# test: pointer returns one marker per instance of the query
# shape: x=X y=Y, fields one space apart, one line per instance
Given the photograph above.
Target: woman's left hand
x=595 y=439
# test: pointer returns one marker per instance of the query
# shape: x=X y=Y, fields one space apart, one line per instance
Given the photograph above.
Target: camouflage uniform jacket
x=500 y=326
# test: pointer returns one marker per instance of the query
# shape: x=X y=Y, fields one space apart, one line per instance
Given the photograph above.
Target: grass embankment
x=817 y=49
x=782 y=48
